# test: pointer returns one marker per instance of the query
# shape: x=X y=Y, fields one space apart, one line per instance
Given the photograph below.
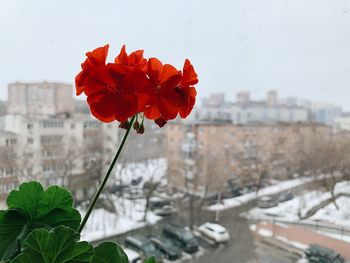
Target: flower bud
x=136 y=125
x=124 y=125
x=160 y=122
x=141 y=129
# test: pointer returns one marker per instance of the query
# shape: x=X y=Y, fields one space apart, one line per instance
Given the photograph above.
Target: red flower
x=164 y=98
x=96 y=60
x=187 y=91
x=132 y=85
x=132 y=62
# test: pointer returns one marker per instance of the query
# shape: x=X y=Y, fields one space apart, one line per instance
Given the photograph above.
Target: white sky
x=297 y=47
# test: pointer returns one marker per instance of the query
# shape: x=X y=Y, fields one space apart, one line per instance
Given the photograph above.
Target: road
x=242 y=248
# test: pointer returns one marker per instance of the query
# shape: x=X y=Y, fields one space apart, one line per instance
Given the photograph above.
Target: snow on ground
x=332 y=215
x=293 y=209
x=129 y=213
x=273 y=189
x=290 y=210
x=152 y=169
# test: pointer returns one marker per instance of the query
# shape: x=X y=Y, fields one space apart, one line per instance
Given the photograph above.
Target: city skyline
x=299 y=48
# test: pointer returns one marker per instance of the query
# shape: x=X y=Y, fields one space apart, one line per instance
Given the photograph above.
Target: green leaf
x=109 y=252
x=60 y=245
x=151 y=260
x=12 y=227
x=31 y=207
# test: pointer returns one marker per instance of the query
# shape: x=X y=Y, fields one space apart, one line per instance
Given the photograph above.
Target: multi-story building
x=342 y=123
x=246 y=111
x=55 y=144
x=205 y=155
x=325 y=113
x=40 y=99
x=3 y=108
x=8 y=164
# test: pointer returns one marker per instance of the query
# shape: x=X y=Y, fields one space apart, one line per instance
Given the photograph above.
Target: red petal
x=98 y=56
x=122 y=58
x=136 y=57
x=102 y=106
x=135 y=82
x=143 y=100
x=188 y=101
x=168 y=103
x=80 y=81
x=154 y=70
x=170 y=75
x=125 y=106
x=152 y=112
x=189 y=75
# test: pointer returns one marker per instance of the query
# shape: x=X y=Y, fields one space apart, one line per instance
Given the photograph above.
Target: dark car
x=182 y=237
x=118 y=188
x=285 y=196
x=144 y=246
x=136 y=181
x=167 y=247
x=267 y=201
x=158 y=203
x=319 y=254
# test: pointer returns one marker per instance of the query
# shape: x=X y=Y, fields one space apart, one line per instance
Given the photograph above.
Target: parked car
x=319 y=254
x=267 y=201
x=157 y=203
x=119 y=188
x=133 y=256
x=134 y=194
x=167 y=247
x=285 y=196
x=214 y=231
x=166 y=210
x=182 y=237
x=144 y=246
x=136 y=181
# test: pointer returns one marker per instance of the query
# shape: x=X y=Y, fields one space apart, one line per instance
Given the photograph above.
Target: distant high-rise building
x=242 y=97
x=40 y=99
x=325 y=113
x=247 y=111
x=214 y=100
x=271 y=99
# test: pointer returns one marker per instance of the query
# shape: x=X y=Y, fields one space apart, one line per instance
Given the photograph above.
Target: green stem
x=96 y=196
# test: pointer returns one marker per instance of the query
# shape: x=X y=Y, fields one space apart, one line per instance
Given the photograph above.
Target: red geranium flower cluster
x=134 y=85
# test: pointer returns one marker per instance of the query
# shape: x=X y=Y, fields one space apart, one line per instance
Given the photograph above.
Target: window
x=11 y=142
x=53 y=124
x=30 y=140
x=50 y=139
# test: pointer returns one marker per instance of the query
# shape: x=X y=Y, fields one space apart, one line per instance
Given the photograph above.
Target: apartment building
x=60 y=143
x=40 y=99
x=246 y=111
x=205 y=155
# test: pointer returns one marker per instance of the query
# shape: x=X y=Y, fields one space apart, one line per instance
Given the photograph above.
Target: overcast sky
x=297 y=47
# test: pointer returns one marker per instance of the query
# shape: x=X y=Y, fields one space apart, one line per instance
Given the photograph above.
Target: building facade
x=246 y=111
x=53 y=139
x=40 y=99
x=206 y=155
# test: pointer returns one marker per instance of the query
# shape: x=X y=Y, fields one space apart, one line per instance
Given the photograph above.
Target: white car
x=214 y=231
x=133 y=256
